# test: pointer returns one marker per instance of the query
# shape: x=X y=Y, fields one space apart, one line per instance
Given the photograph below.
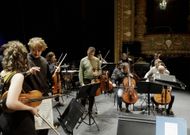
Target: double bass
x=57 y=86
x=129 y=95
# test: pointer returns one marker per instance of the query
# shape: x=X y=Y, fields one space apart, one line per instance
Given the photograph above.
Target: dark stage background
x=67 y=26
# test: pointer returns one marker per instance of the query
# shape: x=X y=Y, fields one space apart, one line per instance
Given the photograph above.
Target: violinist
x=56 y=80
x=39 y=80
x=89 y=69
x=21 y=119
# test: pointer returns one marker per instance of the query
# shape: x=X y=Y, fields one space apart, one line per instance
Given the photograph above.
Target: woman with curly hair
x=20 y=120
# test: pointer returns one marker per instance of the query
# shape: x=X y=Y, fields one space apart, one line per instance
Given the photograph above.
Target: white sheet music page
x=171 y=128
x=46 y=111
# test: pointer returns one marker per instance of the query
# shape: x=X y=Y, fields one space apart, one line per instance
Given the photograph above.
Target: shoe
x=56 y=124
x=158 y=110
x=59 y=104
x=127 y=111
x=170 y=113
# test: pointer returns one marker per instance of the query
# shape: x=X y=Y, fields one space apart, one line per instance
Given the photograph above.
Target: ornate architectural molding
x=124 y=21
x=130 y=24
x=170 y=45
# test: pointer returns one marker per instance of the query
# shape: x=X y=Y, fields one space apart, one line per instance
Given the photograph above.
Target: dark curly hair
x=15 y=57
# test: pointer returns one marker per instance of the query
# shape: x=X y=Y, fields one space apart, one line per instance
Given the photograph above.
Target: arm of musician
x=33 y=70
x=80 y=75
x=57 y=69
x=149 y=73
x=99 y=68
x=167 y=71
x=14 y=91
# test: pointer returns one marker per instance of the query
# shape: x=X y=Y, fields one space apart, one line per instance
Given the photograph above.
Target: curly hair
x=15 y=57
x=37 y=42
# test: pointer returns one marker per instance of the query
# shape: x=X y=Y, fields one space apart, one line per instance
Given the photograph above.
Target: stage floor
x=107 y=114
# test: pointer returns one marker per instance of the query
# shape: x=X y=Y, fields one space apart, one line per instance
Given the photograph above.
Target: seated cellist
x=120 y=75
x=166 y=94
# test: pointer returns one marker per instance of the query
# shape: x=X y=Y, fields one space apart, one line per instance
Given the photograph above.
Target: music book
x=164 y=77
x=46 y=111
x=171 y=126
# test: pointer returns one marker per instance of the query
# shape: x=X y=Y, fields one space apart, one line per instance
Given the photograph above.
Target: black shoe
x=170 y=113
x=60 y=104
x=120 y=109
x=158 y=110
x=127 y=111
x=56 y=124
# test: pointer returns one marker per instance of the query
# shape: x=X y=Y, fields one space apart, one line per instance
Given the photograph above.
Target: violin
x=32 y=98
x=57 y=86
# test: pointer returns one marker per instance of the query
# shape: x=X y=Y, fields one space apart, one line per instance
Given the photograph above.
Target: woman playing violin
x=21 y=119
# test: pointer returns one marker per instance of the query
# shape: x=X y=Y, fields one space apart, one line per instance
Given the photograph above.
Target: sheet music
x=170 y=78
x=46 y=111
x=171 y=128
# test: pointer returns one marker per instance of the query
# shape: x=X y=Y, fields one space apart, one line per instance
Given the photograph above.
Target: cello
x=57 y=87
x=164 y=97
x=129 y=95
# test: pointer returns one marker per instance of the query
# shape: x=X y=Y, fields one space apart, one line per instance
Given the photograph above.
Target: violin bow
x=60 y=57
x=60 y=62
x=49 y=124
x=107 y=54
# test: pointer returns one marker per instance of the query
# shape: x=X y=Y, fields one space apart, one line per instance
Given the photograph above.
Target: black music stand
x=71 y=116
x=108 y=67
x=85 y=92
x=149 y=88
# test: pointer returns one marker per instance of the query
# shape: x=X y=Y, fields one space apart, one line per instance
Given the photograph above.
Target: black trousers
x=90 y=98
x=42 y=132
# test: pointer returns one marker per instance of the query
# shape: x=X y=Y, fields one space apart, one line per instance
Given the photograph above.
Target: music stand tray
x=87 y=91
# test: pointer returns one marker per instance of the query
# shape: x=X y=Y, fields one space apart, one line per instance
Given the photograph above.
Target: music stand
x=149 y=88
x=86 y=92
x=71 y=116
x=108 y=67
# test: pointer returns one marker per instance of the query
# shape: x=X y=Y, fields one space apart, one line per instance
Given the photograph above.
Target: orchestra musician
x=56 y=80
x=153 y=70
x=162 y=70
x=157 y=56
x=89 y=70
x=21 y=118
x=159 y=67
x=39 y=80
x=118 y=76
